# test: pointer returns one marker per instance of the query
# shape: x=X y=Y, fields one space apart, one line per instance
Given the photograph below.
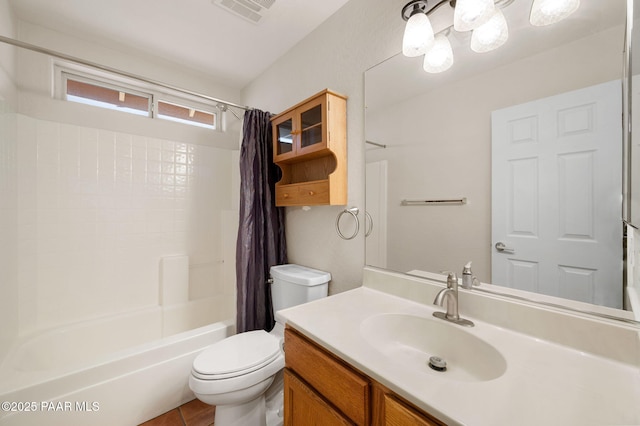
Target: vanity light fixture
x=418 y=34
x=483 y=17
x=440 y=56
x=491 y=35
x=546 y=12
x=471 y=14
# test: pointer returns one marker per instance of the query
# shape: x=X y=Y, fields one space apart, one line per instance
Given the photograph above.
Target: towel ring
x=353 y=211
x=369 y=229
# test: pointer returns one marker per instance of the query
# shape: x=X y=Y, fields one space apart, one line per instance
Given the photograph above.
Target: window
x=134 y=97
x=183 y=114
x=91 y=93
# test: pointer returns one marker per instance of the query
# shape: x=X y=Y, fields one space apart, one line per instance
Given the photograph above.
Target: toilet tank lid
x=300 y=275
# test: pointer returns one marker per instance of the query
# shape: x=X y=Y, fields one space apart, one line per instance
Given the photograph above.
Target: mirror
x=634 y=190
x=430 y=136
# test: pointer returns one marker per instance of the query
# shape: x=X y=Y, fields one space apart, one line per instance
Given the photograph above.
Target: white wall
x=335 y=56
x=448 y=155
x=131 y=61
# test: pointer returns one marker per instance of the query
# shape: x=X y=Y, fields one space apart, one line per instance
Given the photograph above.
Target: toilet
x=242 y=374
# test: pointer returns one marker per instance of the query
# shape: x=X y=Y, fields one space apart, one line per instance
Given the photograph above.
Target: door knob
x=502 y=248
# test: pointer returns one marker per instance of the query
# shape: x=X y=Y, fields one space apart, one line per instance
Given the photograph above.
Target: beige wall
x=335 y=56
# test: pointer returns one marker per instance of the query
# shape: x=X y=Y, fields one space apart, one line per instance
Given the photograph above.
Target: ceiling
x=195 y=33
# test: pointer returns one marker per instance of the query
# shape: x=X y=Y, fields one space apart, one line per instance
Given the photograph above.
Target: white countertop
x=544 y=382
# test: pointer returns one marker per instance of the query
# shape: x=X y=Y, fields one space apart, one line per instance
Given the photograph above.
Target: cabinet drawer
x=303 y=194
x=304 y=407
x=343 y=387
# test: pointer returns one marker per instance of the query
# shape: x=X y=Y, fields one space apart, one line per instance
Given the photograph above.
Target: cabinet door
x=312 y=131
x=284 y=137
x=346 y=389
x=304 y=407
x=398 y=414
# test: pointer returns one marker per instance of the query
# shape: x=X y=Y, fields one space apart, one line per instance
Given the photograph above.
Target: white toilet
x=242 y=374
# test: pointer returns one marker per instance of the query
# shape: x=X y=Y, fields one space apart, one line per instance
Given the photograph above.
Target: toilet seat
x=237 y=355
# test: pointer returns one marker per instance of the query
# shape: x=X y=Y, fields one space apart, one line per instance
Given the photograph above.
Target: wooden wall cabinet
x=322 y=389
x=310 y=147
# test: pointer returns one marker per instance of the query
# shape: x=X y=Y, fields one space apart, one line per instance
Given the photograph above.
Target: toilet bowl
x=234 y=375
x=242 y=374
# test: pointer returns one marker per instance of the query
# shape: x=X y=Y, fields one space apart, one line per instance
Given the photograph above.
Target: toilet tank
x=295 y=284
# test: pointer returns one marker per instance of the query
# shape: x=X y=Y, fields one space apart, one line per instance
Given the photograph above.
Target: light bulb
x=470 y=14
x=546 y=12
x=418 y=35
x=440 y=56
x=491 y=35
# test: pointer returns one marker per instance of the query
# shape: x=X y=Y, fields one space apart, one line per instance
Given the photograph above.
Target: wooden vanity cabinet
x=322 y=389
x=345 y=393
x=310 y=147
x=389 y=409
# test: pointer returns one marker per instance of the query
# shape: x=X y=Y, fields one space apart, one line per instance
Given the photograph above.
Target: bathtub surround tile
x=10 y=222
x=97 y=211
x=174 y=280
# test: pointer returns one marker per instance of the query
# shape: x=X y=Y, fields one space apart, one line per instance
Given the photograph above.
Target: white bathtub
x=112 y=371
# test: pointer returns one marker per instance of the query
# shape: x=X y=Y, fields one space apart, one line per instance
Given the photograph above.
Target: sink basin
x=410 y=341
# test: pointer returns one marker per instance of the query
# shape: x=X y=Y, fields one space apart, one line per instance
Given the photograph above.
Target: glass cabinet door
x=311 y=126
x=284 y=137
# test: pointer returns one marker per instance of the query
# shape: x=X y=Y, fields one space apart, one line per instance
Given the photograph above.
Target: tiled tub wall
x=8 y=228
x=96 y=211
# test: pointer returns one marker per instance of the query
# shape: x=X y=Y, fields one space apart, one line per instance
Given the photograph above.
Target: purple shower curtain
x=261 y=240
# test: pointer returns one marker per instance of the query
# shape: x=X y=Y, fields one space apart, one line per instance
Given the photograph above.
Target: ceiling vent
x=251 y=10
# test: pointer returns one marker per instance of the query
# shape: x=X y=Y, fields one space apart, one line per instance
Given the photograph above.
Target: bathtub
x=118 y=370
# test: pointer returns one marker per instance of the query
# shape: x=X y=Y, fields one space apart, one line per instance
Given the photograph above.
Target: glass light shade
x=491 y=35
x=440 y=56
x=418 y=35
x=546 y=12
x=470 y=14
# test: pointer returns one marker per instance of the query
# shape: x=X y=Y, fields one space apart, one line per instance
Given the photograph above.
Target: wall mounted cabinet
x=310 y=147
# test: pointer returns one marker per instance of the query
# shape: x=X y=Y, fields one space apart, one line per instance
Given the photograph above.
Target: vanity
x=361 y=357
x=316 y=381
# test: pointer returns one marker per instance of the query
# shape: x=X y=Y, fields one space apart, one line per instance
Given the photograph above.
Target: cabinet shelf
x=310 y=149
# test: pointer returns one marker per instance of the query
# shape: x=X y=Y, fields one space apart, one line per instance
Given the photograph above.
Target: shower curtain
x=261 y=240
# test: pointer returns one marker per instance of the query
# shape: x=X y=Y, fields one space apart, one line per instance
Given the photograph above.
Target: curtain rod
x=65 y=57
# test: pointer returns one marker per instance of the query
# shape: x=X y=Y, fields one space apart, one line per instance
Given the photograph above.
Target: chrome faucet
x=450 y=294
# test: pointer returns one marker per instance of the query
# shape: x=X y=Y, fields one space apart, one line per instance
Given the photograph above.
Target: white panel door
x=557 y=195
x=376 y=196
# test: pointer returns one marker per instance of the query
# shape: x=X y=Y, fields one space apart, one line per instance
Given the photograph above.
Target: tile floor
x=193 y=413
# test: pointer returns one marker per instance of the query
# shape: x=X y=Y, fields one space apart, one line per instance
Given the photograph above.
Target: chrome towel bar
x=433 y=202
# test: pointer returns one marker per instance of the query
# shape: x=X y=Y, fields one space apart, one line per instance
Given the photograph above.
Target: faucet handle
x=452 y=279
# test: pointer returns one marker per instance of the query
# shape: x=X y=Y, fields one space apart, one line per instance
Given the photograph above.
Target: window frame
x=63 y=71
